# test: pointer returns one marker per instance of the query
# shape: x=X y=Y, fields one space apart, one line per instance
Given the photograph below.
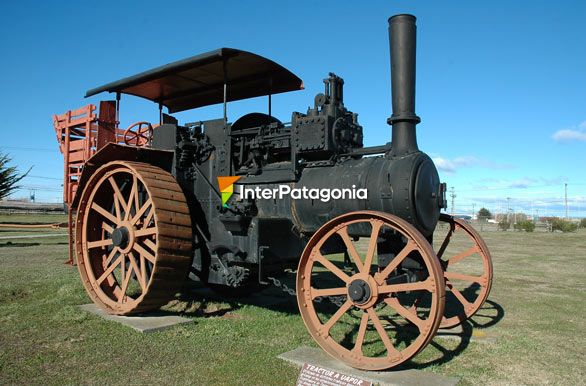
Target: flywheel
x=133 y=237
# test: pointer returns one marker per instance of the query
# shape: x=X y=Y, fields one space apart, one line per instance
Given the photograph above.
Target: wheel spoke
x=141 y=211
x=461 y=276
x=111 y=268
x=99 y=243
x=404 y=287
x=361 y=333
x=376 y=226
x=149 y=256
x=391 y=350
x=459 y=295
x=341 y=311
x=107 y=227
x=382 y=276
x=404 y=312
x=136 y=198
x=104 y=213
x=150 y=244
x=110 y=256
x=145 y=231
x=351 y=248
x=148 y=218
x=125 y=282
x=118 y=198
x=316 y=255
x=316 y=292
x=454 y=259
x=446 y=241
x=133 y=192
x=139 y=277
x=143 y=271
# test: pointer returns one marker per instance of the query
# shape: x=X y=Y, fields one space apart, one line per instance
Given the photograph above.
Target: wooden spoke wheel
x=467 y=269
x=357 y=299
x=133 y=237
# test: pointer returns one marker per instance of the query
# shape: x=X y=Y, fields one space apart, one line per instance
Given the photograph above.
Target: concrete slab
x=143 y=323
x=318 y=357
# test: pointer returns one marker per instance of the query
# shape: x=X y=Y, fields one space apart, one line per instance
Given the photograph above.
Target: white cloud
x=451 y=165
x=520 y=183
x=575 y=134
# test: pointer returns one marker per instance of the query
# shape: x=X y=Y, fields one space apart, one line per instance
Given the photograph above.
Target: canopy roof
x=199 y=81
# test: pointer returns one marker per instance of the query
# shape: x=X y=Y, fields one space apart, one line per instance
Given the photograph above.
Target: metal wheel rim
x=320 y=331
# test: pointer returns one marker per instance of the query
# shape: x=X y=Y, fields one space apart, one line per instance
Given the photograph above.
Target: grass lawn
x=534 y=323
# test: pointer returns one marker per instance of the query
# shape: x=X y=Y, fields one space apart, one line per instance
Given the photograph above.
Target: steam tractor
x=371 y=288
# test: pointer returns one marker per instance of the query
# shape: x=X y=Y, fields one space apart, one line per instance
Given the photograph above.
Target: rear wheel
x=133 y=237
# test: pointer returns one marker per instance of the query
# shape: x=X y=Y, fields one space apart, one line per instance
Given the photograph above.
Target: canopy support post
x=224 y=63
x=270 y=94
x=117 y=109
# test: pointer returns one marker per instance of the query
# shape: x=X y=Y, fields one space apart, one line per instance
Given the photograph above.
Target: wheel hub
x=359 y=291
x=120 y=237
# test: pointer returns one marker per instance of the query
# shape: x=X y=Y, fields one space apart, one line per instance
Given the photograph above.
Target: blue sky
x=501 y=85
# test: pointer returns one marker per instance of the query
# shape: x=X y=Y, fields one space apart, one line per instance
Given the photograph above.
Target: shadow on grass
x=16 y=245
x=488 y=315
x=196 y=300
x=11 y=244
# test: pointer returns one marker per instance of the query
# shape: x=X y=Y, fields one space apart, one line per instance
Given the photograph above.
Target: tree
x=526 y=225
x=9 y=176
x=484 y=213
x=504 y=225
x=559 y=224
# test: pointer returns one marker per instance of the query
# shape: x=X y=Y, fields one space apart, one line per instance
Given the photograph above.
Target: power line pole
x=508 y=209
x=453 y=196
x=566 y=200
x=473 y=212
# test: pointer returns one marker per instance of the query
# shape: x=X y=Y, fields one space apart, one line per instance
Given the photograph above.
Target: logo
x=280 y=191
x=226 y=185
x=302 y=193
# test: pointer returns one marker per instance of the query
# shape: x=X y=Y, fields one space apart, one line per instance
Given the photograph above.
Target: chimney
x=402 y=40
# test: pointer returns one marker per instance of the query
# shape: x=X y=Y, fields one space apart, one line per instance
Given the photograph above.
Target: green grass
x=539 y=283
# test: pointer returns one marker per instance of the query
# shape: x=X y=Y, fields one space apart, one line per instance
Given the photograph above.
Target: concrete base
x=150 y=323
x=318 y=357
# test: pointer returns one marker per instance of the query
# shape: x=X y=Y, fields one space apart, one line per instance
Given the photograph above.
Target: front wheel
x=362 y=309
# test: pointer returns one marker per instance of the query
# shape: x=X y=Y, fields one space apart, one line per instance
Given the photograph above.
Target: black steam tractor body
x=370 y=286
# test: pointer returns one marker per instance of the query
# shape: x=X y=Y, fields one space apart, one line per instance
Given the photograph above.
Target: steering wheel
x=142 y=135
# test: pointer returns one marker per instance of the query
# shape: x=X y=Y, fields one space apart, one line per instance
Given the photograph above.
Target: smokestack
x=402 y=37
